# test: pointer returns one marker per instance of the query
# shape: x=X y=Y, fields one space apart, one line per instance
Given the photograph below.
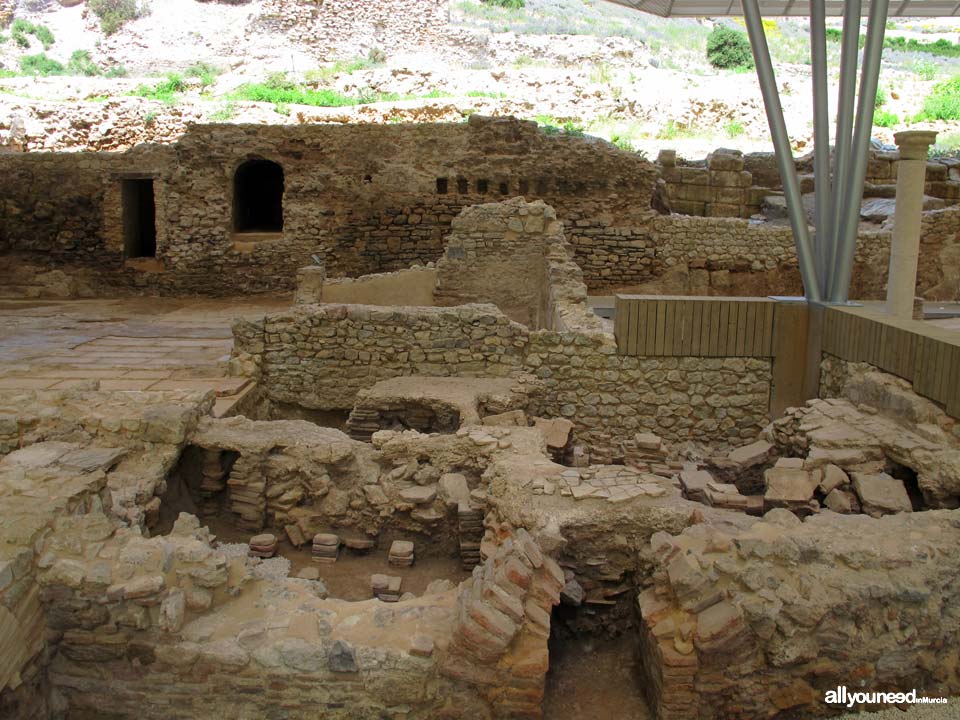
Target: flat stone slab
x=90 y=460
x=752 y=454
x=788 y=485
x=881 y=494
x=454 y=489
x=556 y=432
x=419 y=494
x=401 y=548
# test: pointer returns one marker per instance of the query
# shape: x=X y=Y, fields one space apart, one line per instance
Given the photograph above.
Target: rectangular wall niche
x=139 y=219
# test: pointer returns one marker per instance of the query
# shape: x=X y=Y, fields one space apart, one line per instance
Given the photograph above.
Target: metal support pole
x=841 y=153
x=821 y=138
x=781 y=146
x=853 y=192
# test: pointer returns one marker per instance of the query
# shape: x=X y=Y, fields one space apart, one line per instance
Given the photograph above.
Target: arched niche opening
x=258 y=197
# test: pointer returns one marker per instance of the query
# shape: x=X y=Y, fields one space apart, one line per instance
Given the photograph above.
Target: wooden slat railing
x=659 y=325
x=928 y=356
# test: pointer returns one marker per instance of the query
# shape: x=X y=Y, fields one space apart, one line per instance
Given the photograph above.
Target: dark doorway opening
x=258 y=197
x=139 y=219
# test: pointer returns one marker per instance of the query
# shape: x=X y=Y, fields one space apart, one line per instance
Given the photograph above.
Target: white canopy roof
x=771 y=8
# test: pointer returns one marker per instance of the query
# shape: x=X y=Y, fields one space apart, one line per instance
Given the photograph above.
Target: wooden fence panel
x=925 y=355
x=664 y=326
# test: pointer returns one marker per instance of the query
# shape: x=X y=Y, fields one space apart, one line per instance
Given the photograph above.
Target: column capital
x=913 y=144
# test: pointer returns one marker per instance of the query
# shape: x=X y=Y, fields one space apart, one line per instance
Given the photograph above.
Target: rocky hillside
x=108 y=74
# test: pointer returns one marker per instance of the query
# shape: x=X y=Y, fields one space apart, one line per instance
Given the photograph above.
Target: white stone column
x=905 y=246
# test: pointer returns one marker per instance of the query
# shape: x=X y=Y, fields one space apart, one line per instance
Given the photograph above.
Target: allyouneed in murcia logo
x=842 y=696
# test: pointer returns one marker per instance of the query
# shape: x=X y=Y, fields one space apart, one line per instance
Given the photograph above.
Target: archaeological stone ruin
x=372 y=421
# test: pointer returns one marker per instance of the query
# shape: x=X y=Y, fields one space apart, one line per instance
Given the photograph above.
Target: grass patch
x=21 y=28
x=941 y=47
x=81 y=63
x=204 y=72
x=550 y=125
x=943 y=103
x=324 y=75
x=224 y=113
x=486 y=94
x=885 y=119
x=924 y=69
x=734 y=129
x=601 y=74
x=167 y=90
x=947 y=146
x=41 y=65
x=280 y=91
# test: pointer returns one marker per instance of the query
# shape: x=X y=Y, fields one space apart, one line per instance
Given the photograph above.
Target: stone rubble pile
x=647 y=452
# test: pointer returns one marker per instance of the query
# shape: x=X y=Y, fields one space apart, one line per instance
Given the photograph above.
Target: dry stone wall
x=346 y=29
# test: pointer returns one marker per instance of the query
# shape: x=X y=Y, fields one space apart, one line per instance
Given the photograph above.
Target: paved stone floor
x=136 y=344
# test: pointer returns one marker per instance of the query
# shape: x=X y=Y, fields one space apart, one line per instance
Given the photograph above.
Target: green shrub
x=925 y=69
x=40 y=64
x=622 y=142
x=509 y=4
x=114 y=14
x=43 y=34
x=324 y=75
x=81 y=63
x=727 y=48
x=885 y=119
x=167 y=90
x=943 y=103
x=206 y=73
x=734 y=129
x=21 y=28
x=881 y=97
x=601 y=74
x=834 y=35
x=941 y=47
x=226 y=112
x=279 y=81
x=116 y=71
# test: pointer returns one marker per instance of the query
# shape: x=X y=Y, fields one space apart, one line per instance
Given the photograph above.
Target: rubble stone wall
x=366 y=199
x=938 y=274
x=373 y=199
x=320 y=357
x=756 y=622
x=730 y=256
x=346 y=29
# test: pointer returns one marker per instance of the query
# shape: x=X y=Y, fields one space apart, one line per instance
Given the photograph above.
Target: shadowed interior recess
x=258 y=197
